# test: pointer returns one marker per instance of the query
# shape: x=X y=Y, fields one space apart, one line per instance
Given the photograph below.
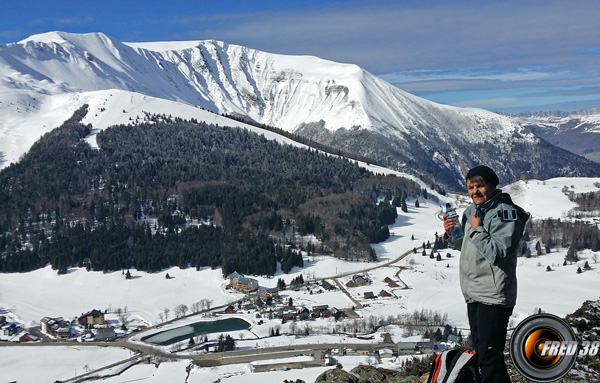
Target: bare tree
x=196 y=307
x=372 y=322
x=307 y=329
x=123 y=320
x=293 y=327
x=180 y=310
x=205 y=303
x=166 y=311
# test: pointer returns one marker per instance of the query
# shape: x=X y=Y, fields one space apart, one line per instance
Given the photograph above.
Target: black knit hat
x=488 y=174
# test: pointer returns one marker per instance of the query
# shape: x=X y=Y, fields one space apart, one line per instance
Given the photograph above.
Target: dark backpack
x=454 y=366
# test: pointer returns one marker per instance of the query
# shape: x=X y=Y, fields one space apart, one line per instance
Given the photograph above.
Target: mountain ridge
x=577 y=132
x=342 y=104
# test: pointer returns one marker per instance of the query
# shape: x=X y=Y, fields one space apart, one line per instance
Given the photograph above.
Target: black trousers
x=488 y=332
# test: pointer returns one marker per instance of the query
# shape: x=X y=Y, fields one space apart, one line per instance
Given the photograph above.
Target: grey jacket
x=488 y=253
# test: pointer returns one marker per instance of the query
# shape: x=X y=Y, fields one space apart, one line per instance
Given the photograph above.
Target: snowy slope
x=577 y=132
x=426 y=284
x=284 y=91
x=288 y=92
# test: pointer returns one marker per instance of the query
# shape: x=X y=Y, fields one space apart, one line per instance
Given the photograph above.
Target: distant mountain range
x=45 y=77
x=577 y=132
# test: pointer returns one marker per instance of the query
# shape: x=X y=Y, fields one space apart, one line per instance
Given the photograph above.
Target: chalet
x=57 y=327
x=11 y=329
x=44 y=324
x=233 y=278
x=94 y=317
x=63 y=333
x=242 y=283
x=360 y=280
x=337 y=314
x=47 y=322
x=230 y=309
x=106 y=334
x=317 y=311
x=393 y=285
x=27 y=337
x=327 y=286
x=320 y=308
x=387 y=280
x=249 y=306
x=246 y=285
x=304 y=313
x=369 y=295
x=384 y=294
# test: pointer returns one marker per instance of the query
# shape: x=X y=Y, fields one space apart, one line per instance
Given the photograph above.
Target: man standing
x=493 y=227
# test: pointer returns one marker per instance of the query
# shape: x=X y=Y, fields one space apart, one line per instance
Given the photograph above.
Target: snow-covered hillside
x=305 y=94
x=279 y=90
x=576 y=132
x=423 y=284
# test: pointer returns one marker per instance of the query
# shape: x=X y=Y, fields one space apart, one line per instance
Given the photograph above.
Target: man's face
x=479 y=192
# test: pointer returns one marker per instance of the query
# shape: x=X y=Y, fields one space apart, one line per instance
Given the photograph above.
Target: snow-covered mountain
x=340 y=105
x=576 y=132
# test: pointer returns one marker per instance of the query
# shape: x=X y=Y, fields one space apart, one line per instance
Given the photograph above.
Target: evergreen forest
x=167 y=192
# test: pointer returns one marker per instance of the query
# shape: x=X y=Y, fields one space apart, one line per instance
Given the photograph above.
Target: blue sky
x=506 y=56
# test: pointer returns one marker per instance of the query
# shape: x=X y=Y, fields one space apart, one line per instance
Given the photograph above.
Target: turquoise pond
x=178 y=334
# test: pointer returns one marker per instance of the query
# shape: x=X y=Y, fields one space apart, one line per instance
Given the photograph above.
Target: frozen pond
x=206 y=327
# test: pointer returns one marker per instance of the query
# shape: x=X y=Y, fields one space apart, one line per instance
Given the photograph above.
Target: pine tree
x=447 y=331
x=281 y=284
x=438 y=335
x=404 y=207
x=572 y=254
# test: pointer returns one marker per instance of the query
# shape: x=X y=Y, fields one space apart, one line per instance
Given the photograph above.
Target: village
x=270 y=306
x=90 y=325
